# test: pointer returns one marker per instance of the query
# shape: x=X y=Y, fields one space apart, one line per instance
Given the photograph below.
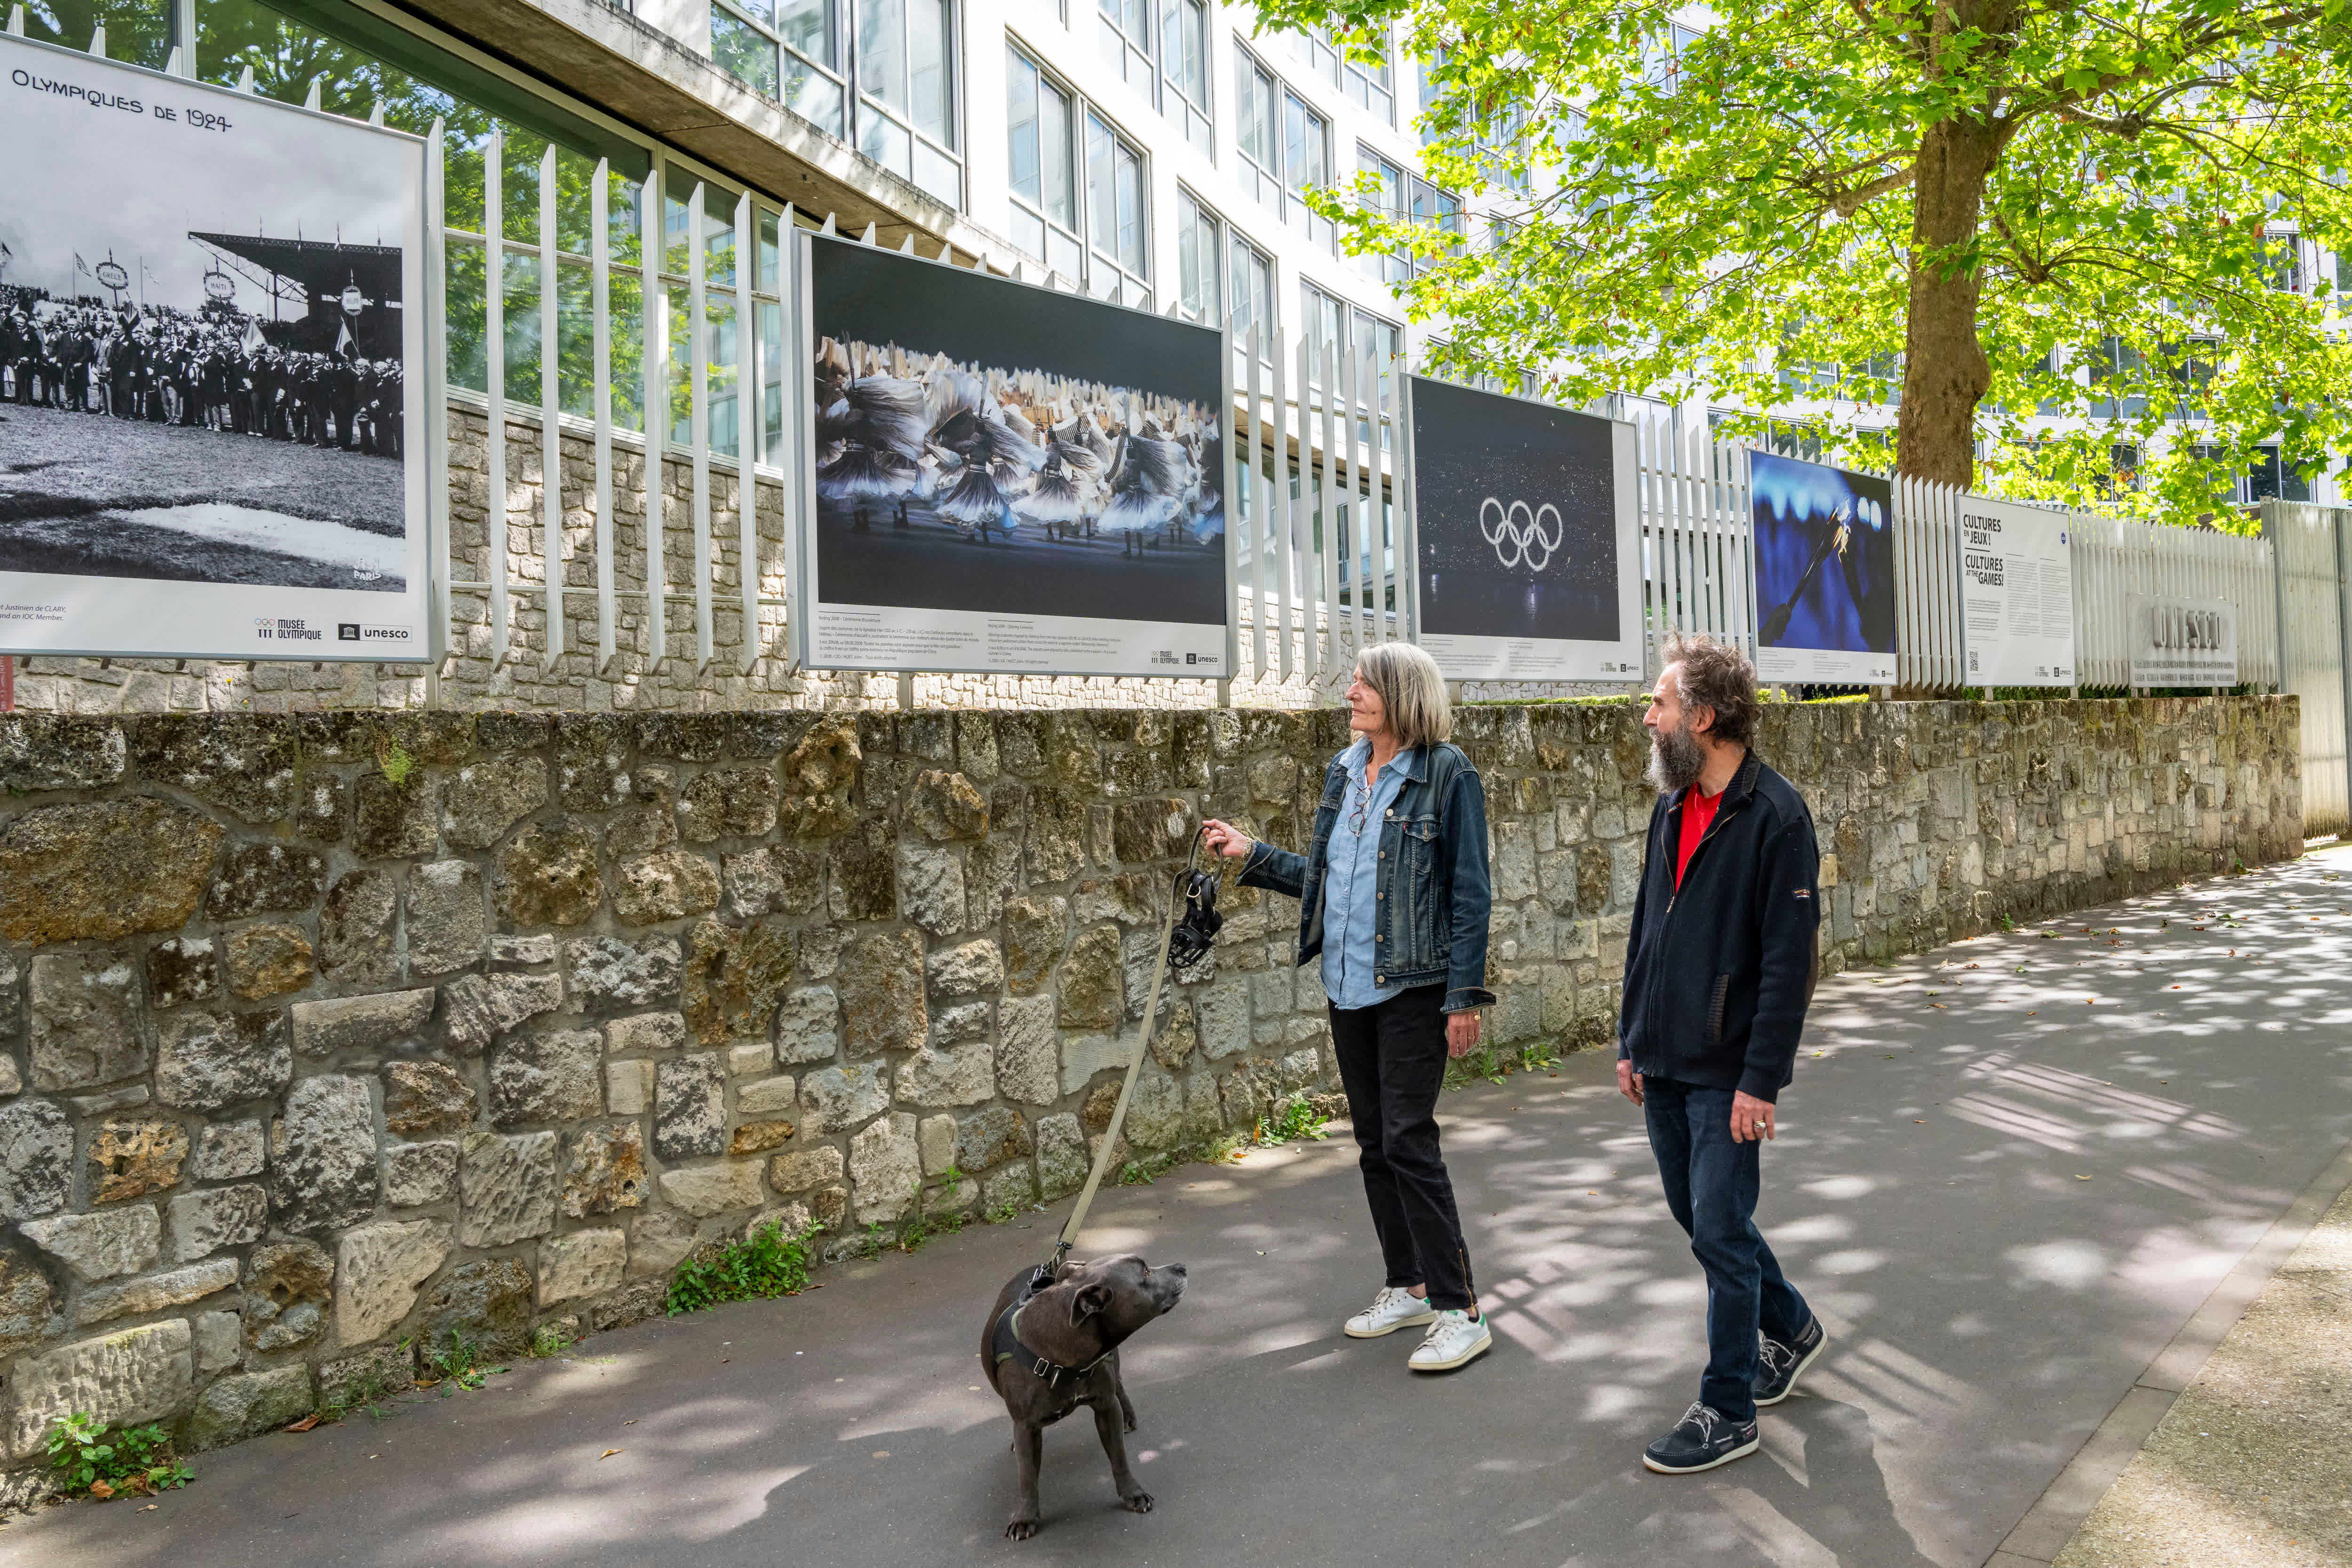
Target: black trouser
x=1393 y=1062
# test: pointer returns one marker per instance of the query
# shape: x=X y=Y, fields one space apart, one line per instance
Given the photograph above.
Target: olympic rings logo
x=1519 y=534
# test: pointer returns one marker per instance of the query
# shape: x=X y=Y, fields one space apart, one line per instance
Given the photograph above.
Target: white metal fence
x=2315 y=616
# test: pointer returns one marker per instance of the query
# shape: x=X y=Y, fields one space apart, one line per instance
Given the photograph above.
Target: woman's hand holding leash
x=1225 y=840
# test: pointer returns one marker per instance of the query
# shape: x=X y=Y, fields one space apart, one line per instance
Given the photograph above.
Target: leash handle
x=1134 y=1065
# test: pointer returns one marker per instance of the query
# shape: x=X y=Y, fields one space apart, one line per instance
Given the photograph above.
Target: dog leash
x=1194 y=898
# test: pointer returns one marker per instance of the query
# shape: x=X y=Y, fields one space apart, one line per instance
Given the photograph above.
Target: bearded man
x=1718 y=972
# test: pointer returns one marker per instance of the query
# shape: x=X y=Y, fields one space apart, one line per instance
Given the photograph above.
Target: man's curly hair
x=1716 y=677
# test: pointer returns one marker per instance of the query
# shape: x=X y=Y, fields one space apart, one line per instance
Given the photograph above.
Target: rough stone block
x=669 y=884
x=425 y=1097
x=1090 y=981
x=1028 y=1050
x=1034 y=930
x=689 y=1106
x=154 y=1292
x=1063 y=1157
x=881 y=985
x=747 y=1059
x=207 y=1060
x=52 y=750
x=359 y=1022
x=486 y=798
x=584 y=1263
x=629 y=1088
x=885 y=1169
x=180 y=970
x=775 y=880
x=226 y=1150
x=288 y=1289
x=548 y=1078
x=476 y=1008
x=990 y=1138
x=488 y=1298
x=416 y=1174
x=323 y=1162
x=97 y=870
x=645 y=1032
x=88 y=1025
x=265 y=961
x=722 y=1187
x=734 y=977
x=837 y=1098
x=608 y=1170
x=448 y=925
x=931 y=888
x=219 y=1341
x=99 y=1245
x=138 y=1375
x=521 y=951
x=1014 y=1186
x=264 y=879
x=759 y=1137
x=728 y=803
x=395 y=821
x=935 y=1139
x=132 y=1159
x=547 y=876
x=1087 y=1055
x=765 y=1097
x=609 y=972
x=248 y=1403
x=204 y=1222
x=798 y=1173
x=808 y=1026
x=37 y=1150
x=507 y=1187
x=965 y=1075
x=377 y=1272
x=357 y=928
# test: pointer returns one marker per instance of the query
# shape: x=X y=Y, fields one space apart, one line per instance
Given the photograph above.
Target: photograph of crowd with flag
x=1824 y=572
x=205 y=371
x=1010 y=478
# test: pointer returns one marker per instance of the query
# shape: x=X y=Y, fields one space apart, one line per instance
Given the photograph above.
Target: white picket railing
x=2114 y=562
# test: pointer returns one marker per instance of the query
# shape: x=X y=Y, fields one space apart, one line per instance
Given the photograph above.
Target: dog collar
x=1004 y=1344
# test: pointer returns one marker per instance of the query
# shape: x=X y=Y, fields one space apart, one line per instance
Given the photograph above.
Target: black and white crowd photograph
x=202 y=367
x=980 y=446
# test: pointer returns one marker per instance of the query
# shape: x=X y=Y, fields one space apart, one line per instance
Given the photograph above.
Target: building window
x=1406 y=197
x=1118 y=241
x=1371 y=88
x=1285 y=148
x=1325 y=318
x=1200 y=252
x=897 y=105
x=1135 y=34
x=1044 y=162
x=1079 y=199
x=1252 y=278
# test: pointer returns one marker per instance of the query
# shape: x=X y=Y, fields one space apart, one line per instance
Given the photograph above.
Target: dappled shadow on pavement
x=2010 y=1170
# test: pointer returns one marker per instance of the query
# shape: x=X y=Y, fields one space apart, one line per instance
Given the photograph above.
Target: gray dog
x=1049 y=1351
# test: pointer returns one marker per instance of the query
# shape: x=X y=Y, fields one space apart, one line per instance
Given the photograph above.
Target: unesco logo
x=1520 y=535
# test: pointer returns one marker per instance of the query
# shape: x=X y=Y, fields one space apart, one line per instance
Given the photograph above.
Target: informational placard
x=1824 y=572
x=1529 y=538
x=210 y=376
x=2017 y=595
x=1005 y=478
x=2183 y=642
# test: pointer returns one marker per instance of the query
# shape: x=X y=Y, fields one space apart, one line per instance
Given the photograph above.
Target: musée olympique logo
x=1518 y=532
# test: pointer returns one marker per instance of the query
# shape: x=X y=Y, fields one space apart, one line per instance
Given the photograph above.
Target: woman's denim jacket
x=1432 y=926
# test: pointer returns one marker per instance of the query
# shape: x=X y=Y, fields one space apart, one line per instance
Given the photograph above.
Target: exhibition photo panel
x=211 y=380
x=1006 y=479
x=1824 y=543
x=1527 y=538
x=2017 y=593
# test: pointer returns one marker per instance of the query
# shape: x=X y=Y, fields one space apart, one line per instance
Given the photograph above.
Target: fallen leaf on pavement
x=305 y=1424
x=608 y=1453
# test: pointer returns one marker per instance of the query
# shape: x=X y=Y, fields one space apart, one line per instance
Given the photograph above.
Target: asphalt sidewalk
x=2010 y=1171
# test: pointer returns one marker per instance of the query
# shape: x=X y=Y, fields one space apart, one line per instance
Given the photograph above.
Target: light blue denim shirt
x=1351 y=889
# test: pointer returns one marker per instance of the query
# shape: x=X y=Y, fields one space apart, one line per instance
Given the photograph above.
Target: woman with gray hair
x=1393 y=895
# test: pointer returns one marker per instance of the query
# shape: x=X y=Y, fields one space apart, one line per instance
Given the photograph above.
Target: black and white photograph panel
x=1520 y=529
x=987 y=446
x=203 y=369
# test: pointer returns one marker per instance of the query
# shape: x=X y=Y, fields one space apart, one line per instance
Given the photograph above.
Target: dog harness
x=1004 y=1344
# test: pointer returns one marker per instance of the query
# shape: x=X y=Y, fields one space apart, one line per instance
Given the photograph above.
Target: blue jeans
x=1711 y=1184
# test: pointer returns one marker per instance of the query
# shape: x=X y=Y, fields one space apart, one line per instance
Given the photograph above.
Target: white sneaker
x=1394 y=1308
x=1456 y=1339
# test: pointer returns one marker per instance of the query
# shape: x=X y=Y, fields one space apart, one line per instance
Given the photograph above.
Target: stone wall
x=320 y=1035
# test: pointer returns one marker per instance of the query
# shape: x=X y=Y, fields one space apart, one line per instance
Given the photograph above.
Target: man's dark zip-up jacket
x=1719 y=972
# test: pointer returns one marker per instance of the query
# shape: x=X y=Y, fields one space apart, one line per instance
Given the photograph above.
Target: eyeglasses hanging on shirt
x=1363 y=805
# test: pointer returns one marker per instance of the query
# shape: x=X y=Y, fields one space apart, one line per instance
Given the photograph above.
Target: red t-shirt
x=1698 y=810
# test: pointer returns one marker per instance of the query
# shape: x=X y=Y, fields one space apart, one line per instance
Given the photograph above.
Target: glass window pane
x=813 y=95
x=521 y=275
x=770 y=274
x=939 y=173
x=628 y=331
x=575 y=331
x=885 y=142
x=1021 y=115
x=882 y=51
x=1131 y=246
x=807 y=26
x=1058 y=181
x=466 y=318
x=930 y=80
x=625 y=229
x=1102 y=206
x=743 y=52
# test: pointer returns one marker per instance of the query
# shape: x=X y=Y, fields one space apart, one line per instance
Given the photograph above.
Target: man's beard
x=1676 y=759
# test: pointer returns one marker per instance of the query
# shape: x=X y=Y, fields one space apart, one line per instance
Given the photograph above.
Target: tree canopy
x=1937 y=211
